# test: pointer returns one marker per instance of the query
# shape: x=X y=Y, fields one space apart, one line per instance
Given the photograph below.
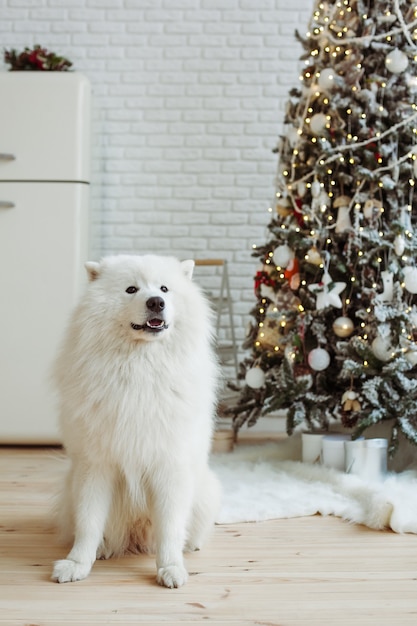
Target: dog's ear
x=188 y=268
x=93 y=270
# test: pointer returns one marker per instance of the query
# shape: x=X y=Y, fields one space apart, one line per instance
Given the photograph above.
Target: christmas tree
x=334 y=331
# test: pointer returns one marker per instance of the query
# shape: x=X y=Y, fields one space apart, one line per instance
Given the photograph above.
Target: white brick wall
x=189 y=98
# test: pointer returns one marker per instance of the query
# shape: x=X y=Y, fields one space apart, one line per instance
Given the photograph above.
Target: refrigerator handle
x=4 y=204
x=4 y=156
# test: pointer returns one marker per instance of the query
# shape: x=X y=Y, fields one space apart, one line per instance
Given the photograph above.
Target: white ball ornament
x=255 y=378
x=319 y=359
x=318 y=123
x=282 y=255
x=411 y=357
x=343 y=326
x=381 y=348
x=396 y=61
x=326 y=78
x=410 y=279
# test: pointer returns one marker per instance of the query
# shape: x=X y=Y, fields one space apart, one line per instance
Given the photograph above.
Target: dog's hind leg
x=206 y=505
x=91 y=494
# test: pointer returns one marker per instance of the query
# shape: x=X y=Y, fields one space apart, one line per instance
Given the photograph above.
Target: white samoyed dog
x=137 y=378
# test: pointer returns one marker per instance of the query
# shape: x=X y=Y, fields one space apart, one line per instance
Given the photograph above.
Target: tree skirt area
x=260 y=483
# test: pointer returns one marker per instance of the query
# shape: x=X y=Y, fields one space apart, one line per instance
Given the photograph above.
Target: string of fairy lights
x=333 y=36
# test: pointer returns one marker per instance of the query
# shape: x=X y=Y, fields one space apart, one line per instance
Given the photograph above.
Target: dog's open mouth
x=154 y=325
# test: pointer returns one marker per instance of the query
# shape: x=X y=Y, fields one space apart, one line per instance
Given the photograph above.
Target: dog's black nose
x=155 y=304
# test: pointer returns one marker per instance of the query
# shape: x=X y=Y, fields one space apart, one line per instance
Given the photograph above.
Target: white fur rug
x=260 y=483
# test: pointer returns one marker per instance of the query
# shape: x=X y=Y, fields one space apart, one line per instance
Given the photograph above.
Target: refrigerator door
x=44 y=126
x=43 y=246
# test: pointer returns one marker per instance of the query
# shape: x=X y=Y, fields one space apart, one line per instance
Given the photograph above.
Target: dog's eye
x=164 y=289
x=132 y=289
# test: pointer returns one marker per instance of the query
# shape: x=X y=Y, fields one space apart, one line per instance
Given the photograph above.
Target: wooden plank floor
x=310 y=570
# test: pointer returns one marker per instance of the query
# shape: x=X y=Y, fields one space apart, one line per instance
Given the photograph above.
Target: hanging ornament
x=411 y=357
x=271 y=333
x=350 y=401
x=343 y=326
x=318 y=123
x=293 y=136
x=292 y=273
x=282 y=255
x=326 y=78
x=315 y=189
x=381 y=348
x=396 y=61
x=286 y=300
x=343 y=222
x=410 y=279
x=327 y=292
x=255 y=377
x=301 y=189
x=319 y=359
x=372 y=208
x=313 y=256
x=388 y=283
x=298 y=211
x=264 y=284
x=399 y=245
x=283 y=207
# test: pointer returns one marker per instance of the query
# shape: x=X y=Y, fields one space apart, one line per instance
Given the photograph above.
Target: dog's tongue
x=155 y=323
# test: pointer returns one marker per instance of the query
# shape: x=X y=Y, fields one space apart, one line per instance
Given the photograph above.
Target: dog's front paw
x=172 y=576
x=67 y=571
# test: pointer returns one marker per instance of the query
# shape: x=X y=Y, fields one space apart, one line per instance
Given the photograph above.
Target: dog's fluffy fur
x=137 y=378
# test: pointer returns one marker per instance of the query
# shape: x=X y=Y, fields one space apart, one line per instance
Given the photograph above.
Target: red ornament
x=292 y=273
x=262 y=278
x=298 y=213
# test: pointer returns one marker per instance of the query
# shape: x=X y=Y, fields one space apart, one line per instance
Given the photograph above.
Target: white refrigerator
x=44 y=215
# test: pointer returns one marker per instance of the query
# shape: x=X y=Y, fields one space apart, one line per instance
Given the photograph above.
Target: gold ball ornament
x=343 y=326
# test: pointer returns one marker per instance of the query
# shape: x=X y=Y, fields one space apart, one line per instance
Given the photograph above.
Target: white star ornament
x=327 y=292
